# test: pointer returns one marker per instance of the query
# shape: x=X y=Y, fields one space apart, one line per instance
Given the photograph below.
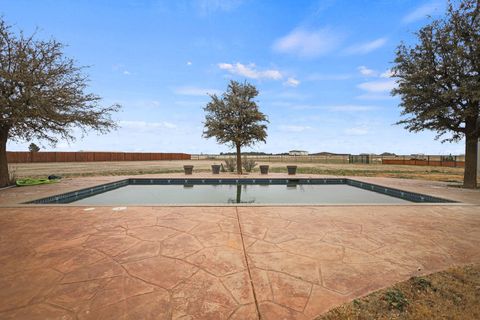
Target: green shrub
x=396 y=299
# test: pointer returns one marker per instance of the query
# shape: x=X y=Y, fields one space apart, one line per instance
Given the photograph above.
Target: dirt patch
x=451 y=294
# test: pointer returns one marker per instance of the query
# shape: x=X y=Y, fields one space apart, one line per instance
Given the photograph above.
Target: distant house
x=297 y=153
x=418 y=156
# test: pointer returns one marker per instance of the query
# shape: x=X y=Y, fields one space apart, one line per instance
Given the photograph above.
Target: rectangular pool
x=238 y=191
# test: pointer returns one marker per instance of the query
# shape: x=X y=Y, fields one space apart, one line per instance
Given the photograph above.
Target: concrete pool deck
x=236 y=262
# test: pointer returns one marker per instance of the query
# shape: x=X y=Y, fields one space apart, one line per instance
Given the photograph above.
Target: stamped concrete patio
x=247 y=262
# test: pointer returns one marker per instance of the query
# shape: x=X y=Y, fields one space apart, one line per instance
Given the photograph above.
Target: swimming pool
x=238 y=191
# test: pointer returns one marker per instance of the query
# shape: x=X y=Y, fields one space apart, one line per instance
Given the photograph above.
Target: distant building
x=418 y=156
x=297 y=153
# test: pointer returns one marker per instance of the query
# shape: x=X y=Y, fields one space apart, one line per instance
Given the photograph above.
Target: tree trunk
x=239 y=193
x=470 y=173
x=4 y=176
x=239 y=160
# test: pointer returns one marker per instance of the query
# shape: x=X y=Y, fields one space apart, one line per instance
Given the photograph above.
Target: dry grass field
x=79 y=169
x=451 y=294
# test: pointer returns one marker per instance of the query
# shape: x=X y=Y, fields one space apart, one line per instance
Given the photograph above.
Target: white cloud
x=428 y=9
x=350 y=108
x=195 y=91
x=126 y=72
x=387 y=74
x=250 y=71
x=189 y=63
x=309 y=44
x=366 y=71
x=292 y=82
x=378 y=86
x=356 y=131
x=366 y=47
x=379 y=89
x=144 y=125
x=294 y=128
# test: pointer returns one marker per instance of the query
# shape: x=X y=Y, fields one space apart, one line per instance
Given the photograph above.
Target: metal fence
x=425 y=160
x=435 y=161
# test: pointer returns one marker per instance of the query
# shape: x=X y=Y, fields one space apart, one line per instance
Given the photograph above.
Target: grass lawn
x=78 y=169
x=450 y=294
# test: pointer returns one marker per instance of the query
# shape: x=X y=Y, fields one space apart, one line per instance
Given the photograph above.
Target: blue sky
x=321 y=68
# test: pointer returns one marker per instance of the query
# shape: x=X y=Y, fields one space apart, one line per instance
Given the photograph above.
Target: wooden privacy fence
x=25 y=157
x=435 y=163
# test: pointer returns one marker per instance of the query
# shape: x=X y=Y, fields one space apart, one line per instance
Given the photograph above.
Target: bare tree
x=43 y=94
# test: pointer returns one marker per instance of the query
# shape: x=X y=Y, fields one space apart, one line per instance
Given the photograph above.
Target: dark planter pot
x=188 y=169
x=264 y=169
x=292 y=170
x=215 y=168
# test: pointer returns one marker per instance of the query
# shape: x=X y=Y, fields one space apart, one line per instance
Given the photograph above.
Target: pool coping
x=415 y=198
